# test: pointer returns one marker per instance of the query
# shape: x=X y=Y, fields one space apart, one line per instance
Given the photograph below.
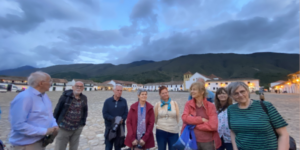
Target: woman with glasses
x=203 y=115
x=222 y=101
x=251 y=127
x=140 y=122
x=167 y=120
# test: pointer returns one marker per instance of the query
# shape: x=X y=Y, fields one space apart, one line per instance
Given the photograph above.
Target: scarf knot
x=164 y=103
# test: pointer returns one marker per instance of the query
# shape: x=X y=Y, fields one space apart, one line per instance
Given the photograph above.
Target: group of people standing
x=219 y=124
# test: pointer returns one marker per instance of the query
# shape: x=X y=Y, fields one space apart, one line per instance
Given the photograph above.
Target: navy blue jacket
x=113 y=108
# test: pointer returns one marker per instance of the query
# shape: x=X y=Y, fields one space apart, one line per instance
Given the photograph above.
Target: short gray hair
x=36 y=77
x=141 y=90
x=115 y=86
x=234 y=85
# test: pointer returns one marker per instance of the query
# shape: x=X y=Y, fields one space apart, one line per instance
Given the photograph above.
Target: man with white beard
x=71 y=112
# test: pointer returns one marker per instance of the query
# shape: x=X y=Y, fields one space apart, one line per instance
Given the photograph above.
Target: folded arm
x=188 y=118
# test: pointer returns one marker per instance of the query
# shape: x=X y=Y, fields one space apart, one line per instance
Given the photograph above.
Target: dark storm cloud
x=71 y=31
x=36 y=12
x=240 y=36
x=143 y=19
x=84 y=36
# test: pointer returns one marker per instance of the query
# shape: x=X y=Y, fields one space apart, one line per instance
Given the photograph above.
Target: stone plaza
x=92 y=136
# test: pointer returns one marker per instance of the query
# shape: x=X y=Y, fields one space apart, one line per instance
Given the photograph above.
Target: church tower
x=186 y=77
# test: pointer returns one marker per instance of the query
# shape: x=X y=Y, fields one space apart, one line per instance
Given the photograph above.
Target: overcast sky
x=42 y=33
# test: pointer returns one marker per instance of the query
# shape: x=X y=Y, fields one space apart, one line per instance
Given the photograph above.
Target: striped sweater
x=252 y=126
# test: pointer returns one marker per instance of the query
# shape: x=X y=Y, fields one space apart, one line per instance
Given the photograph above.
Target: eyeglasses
x=238 y=93
x=50 y=82
x=78 y=87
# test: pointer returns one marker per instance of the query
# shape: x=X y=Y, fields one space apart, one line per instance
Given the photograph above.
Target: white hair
x=140 y=90
x=36 y=77
x=73 y=84
x=116 y=85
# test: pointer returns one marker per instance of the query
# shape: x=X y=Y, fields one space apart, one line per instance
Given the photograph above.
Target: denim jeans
x=227 y=146
x=110 y=144
x=163 y=138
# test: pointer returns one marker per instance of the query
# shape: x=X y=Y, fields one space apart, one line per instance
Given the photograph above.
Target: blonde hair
x=200 y=87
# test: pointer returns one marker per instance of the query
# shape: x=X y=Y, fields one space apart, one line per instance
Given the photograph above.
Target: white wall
x=22 y=86
x=214 y=86
x=57 y=88
x=274 y=84
x=193 y=79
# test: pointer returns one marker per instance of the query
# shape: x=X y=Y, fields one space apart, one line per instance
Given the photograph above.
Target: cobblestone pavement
x=92 y=135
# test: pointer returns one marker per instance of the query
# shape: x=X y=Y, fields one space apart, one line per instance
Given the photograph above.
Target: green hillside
x=267 y=67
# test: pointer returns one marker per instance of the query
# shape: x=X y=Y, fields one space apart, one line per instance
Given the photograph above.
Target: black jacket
x=64 y=104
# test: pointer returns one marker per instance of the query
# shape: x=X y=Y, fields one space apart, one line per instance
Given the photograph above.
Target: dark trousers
x=110 y=144
x=227 y=146
x=163 y=138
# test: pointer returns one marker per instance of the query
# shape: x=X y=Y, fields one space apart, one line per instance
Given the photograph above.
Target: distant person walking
x=210 y=95
x=71 y=112
x=115 y=106
x=222 y=101
x=167 y=120
x=251 y=127
x=31 y=116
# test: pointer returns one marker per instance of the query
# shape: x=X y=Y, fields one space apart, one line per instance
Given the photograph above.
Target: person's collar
x=35 y=92
x=116 y=100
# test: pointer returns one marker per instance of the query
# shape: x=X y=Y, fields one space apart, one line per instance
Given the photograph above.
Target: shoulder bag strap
x=266 y=111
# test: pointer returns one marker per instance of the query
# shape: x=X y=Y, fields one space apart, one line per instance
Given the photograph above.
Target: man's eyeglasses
x=78 y=87
x=238 y=93
x=50 y=82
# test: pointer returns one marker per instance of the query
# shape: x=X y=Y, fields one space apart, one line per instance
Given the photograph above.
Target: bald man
x=31 y=115
x=71 y=112
x=210 y=95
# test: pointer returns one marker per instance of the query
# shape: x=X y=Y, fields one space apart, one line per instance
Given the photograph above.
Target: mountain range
x=267 y=67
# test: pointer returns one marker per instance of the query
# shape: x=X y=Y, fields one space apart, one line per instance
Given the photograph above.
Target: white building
x=213 y=82
x=273 y=84
x=58 y=84
x=195 y=77
x=88 y=84
x=172 y=86
x=290 y=86
x=214 y=85
x=127 y=85
x=20 y=82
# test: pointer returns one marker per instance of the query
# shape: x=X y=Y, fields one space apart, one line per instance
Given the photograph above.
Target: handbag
x=292 y=142
x=187 y=140
x=47 y=140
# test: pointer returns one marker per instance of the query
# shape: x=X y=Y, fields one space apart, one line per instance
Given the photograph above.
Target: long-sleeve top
x=189 y=117
x=30 y=117
x=223 y=128
x=113 y=108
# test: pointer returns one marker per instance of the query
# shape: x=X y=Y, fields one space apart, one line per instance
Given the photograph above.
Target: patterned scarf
x=164 y=103
x=141 y=126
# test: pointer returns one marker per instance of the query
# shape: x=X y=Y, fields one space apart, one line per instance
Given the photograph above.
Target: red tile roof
x=187 y=73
